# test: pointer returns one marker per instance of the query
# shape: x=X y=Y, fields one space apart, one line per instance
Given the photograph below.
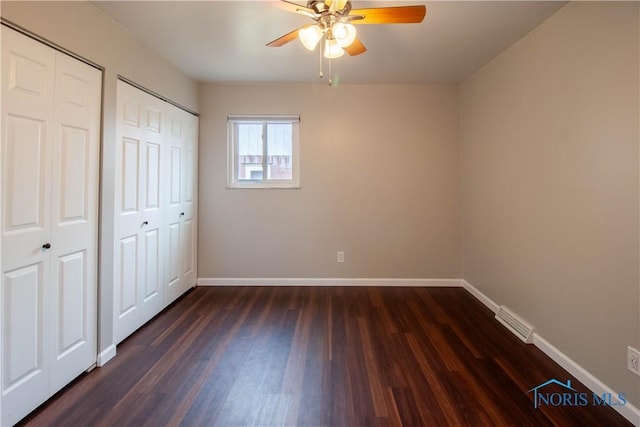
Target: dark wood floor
x=304 y=356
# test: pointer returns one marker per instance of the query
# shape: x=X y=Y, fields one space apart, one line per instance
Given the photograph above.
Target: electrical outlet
x=340 y=256
x=633 y=360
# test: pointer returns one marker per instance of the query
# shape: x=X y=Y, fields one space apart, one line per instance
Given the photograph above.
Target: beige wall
x=549 y=144
x=380 y=181
x=83 y=29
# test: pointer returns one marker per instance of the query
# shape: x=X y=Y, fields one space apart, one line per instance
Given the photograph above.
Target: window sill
x=263 y=187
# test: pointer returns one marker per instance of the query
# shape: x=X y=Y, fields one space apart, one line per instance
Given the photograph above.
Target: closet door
x=74 y=218
x=190 y=204
x=50 y=153
x=139 y=220
x=28 y=75
x=181 y=205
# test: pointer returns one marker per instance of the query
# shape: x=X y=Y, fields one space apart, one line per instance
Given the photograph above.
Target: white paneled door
x=74 y=217
x=156 y=205
x=139 y=217
x=181 y=204
x=50 y=153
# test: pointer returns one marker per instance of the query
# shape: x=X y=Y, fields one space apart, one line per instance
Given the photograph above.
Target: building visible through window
x=263 y=151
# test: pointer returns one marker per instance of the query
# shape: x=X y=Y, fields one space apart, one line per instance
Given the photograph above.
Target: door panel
x=25 y=370
x=24 y=342
x=126 y=304
x=30 y=70
x=153 y=176
x=189 y=201
x=28 y=74
x=188 y=237
x=128 y=278
x=174 y=211
x=73 y=302
x=128 y=220
x=130 y=175
x=131 y=111
x=25 y=177
x=175 y=175
x=150 y=289
x=74 y=219
x=182 y=183
x=76 y=90
x=174 y=253
x=154 y=115
x=74 y=171
x=189 y=177
x=152 y=259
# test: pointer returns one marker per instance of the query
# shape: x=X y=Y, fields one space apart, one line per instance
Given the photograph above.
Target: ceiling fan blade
x=355 y=48
x=389 y=15
x=296 y=8
x=286 y=38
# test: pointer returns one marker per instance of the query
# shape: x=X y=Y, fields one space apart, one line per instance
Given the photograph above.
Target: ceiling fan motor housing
x=321 y=7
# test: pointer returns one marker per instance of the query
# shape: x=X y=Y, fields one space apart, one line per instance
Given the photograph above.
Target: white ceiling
x=224 y=41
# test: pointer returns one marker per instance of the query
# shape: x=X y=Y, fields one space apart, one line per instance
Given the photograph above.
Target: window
x=264 y=152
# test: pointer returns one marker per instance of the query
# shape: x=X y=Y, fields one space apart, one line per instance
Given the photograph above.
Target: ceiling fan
x=334 y=21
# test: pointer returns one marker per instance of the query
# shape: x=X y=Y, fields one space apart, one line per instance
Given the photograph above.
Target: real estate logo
x=547 y=394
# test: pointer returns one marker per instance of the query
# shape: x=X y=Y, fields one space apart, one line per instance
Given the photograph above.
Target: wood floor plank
x=320 y=356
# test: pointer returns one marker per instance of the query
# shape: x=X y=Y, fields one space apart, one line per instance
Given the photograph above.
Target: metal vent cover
x=516 y=325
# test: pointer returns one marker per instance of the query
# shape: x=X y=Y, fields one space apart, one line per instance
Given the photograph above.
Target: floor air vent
x=521 y=329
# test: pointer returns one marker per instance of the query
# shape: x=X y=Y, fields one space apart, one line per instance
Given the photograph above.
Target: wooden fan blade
x=294 y=7
x=286 y=38
x=390 y=15
x=355 y=48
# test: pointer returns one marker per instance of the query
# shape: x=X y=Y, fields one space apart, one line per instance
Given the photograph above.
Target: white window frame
x=232 y=150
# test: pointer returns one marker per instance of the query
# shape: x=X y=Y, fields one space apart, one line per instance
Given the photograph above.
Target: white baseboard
x=105 y=355
x=628 y=411
x=480 y=296
x=329 y=282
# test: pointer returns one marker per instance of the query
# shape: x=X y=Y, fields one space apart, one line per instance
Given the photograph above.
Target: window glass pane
x=249 y=151
x=279 y=151
x=263 y=151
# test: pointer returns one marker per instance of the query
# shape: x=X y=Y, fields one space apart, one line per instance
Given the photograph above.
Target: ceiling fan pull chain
x=321 y=74
x=330 y=74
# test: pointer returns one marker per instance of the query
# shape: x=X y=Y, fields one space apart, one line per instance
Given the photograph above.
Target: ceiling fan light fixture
x=345 y=34
x=310 y=36
x=332 y=49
